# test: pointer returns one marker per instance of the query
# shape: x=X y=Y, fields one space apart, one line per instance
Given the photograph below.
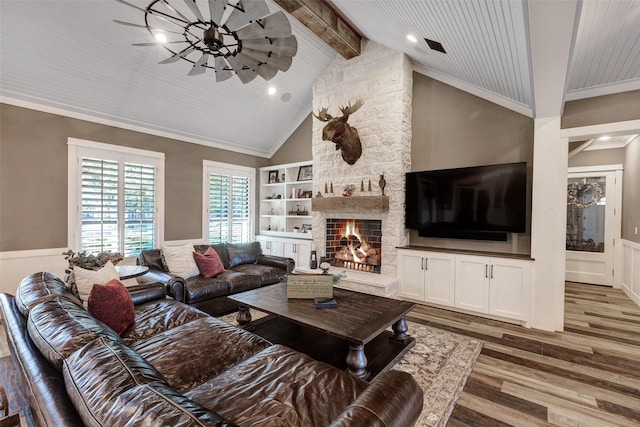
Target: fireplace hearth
x=355 y=244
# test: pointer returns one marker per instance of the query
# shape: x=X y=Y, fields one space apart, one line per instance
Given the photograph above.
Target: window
x=228 y=203
x=116 y=196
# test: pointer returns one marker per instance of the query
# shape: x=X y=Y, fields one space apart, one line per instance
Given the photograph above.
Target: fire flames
x=357 y=254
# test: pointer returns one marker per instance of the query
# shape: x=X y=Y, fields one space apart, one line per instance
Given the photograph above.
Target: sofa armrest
x=146 y=292
x=174 y=285
x=287 y=264
x=393 y=399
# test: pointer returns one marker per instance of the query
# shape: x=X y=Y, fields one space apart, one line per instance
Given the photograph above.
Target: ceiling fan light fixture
x=217 y=29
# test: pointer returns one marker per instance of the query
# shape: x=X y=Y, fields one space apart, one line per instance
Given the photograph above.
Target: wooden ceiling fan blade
x=282 y=46
x=247 y=60
x=267 y=71
x=199 y=66
x=272 y=26
x=174 y=10
x=246 y=11
x=178 y=56
x=195 y=9
x=245 y=74
x=278 y=61
x=216 y=9
x=222 y=73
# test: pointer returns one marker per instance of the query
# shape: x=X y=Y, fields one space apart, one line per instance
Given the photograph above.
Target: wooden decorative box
x=309 y=286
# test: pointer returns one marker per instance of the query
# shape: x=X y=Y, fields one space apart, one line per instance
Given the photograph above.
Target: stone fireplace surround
x=383 y=79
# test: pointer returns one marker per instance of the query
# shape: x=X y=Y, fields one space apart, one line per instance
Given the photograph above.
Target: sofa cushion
x=243 y=253
x=221 y=250
x=155 y=317
x=112 y=305
x=85 y=279
x=213 y=343
x=200 y=289
x=152 y=258
x=58 y=327
x=110 y=385
x=238 y=281
x=280 y=384
x=39 y=287
x=268 y=274
x=179 y=260
x=208 y=263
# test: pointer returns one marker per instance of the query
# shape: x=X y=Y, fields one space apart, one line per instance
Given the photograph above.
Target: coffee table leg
x=400 y=330
x=357 y=362
x=244 y=318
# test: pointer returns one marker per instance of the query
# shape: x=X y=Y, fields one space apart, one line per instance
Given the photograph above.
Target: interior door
x=591 y=227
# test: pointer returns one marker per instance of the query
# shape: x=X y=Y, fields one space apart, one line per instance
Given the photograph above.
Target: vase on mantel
x=382 y=183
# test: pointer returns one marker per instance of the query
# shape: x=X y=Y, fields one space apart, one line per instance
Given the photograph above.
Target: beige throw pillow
x=180 y=260
x=85 y=279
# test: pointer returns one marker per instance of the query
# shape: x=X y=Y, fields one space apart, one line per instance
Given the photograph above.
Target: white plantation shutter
x=119 y=194
x=99 y=206
x=228 y=198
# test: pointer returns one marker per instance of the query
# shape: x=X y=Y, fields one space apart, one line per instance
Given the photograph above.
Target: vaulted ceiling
x=69 y=57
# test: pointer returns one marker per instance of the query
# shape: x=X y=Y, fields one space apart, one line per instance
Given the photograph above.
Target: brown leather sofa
x=177 y=366
x=245 y=268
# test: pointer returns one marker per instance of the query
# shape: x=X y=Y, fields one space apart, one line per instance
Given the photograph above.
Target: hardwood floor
x=588 y=375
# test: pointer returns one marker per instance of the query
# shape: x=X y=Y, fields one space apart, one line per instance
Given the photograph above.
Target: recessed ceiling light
x=412 y=38
x=160 y=37
x=271 y=90
x=604 y=138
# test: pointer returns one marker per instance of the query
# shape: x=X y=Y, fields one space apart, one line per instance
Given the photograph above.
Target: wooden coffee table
x=360 y=319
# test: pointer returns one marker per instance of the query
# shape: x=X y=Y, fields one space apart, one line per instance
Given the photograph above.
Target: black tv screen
x=465 y=201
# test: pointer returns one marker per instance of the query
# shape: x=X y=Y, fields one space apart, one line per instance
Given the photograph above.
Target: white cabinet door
x=299 y=250
x=472 y=283
x=411 y=274
x=440 y=271
x=270 y=245
x=509 y=288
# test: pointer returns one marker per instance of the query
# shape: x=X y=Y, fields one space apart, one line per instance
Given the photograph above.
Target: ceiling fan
x=226 y=36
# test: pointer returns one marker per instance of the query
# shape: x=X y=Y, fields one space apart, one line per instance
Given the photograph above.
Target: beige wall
x=452 y=128
x=297 y=148
x=631 y=192
x=602 y=109
x=33 y=176
x=598 y=157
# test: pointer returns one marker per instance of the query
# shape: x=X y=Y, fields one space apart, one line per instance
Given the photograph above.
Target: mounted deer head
x=339 y=132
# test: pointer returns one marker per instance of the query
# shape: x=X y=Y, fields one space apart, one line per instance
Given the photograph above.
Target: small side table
x=131 y=271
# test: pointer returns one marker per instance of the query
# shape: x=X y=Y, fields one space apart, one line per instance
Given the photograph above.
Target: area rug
x=440 y=362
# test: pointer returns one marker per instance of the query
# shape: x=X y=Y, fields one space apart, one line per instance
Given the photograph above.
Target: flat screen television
x=481 y=202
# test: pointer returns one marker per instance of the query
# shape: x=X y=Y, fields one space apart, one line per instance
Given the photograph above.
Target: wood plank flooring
x=588 y=375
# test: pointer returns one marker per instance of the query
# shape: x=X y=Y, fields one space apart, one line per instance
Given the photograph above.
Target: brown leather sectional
x=177 y=366
x=245 y=268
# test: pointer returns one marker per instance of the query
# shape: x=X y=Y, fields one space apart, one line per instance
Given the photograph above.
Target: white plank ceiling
x=69 y=57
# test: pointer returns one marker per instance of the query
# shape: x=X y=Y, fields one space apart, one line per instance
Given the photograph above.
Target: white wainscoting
x=631 y=270
x=16 y=265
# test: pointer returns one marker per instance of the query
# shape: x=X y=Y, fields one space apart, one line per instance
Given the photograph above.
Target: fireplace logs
x=355 y=244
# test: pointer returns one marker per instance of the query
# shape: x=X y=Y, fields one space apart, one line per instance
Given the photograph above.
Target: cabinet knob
x=492 y=271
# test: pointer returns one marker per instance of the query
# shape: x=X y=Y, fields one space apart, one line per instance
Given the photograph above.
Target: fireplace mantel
x=351 y=204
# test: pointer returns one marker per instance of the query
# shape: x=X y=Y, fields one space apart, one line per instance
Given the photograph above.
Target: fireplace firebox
x=355 y=244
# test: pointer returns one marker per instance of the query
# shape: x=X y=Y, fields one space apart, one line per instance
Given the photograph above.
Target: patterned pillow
x=112 y=305
x=209 y=263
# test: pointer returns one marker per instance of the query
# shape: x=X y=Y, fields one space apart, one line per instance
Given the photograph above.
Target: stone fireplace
x=383 y=78
x=355 y=244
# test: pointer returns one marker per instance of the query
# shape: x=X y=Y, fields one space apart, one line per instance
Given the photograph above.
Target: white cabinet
x=493 y=285
x=271 y=245
x=427 y=276
x=496 y=286
x=285 y=199
x=297 y=249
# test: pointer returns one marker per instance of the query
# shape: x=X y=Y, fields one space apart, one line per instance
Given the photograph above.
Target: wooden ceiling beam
x=326 y=23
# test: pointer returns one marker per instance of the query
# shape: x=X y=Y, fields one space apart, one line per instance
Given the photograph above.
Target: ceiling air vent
x=434 y=45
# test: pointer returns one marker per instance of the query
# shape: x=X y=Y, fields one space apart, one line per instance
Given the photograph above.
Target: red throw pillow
x=112 y=305
x=208 y=263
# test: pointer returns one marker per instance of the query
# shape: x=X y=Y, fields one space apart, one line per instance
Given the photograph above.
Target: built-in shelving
x=286 y=190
